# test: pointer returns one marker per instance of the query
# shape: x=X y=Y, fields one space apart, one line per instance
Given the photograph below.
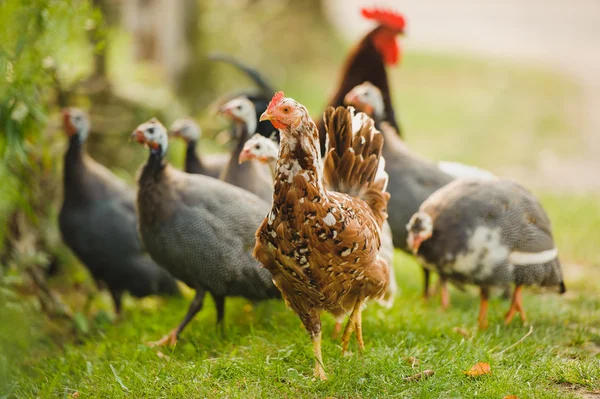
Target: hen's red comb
x=275 y=100
x=387 y=18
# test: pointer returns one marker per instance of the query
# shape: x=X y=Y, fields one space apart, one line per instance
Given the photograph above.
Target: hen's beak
x=138 y=136
x=266 y=116
x=245 y=155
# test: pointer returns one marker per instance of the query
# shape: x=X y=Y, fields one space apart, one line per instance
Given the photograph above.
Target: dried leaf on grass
x=479 y=369
x=510 y=397
x=418 y=376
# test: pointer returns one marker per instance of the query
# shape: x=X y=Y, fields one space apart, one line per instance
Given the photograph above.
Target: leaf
x=418 y=376
x=479 y=369
x=510 y=397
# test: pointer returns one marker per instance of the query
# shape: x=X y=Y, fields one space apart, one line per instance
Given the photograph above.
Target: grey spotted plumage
x=488 y=233
x=200 y=229
x=98 y=223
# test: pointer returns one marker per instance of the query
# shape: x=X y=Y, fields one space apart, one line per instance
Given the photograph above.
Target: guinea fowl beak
x=138 y=136
x=245 y=155
x=226 y=110
x=351 y=99
x=416 y=244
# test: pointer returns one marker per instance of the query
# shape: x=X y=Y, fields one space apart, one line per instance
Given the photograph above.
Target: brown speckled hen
x=322 y=246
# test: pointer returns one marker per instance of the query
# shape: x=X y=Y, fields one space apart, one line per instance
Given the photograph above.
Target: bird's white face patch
x=262 y=148
x=484 y=252
x=186 y=128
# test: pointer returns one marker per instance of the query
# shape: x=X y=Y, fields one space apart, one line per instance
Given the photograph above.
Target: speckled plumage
x=99 y=224
x=321 y=246
x=202 y=231
x=474 y=221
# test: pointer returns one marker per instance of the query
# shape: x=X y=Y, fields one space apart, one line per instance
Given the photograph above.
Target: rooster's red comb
x=386 y=18
x=275 y=100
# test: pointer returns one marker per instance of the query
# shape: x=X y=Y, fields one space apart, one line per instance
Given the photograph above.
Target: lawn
x=479 y=111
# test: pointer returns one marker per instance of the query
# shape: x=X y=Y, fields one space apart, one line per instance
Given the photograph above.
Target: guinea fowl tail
x=353 y=162
x=265 y=87
x=167 y=285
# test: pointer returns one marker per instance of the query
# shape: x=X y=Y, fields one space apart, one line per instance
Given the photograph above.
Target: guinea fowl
x=190 y=132
x=487 y=233
x=98 y=222
x=200 y=229
x=260 y=98
x=251 y=176
x=266 y=150
x=322 y=246
x=367 y=62
x=367 y=98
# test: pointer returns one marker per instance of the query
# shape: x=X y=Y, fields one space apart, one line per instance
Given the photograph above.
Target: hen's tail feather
x=352 y=159
x=265 y=87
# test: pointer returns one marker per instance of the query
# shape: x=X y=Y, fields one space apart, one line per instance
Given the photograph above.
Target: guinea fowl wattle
x=200 y=229
x=190 y=132
x=488 y=233
x=99 y=224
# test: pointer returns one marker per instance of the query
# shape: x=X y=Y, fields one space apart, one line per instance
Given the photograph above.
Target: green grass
x=266 y=353
x=455 y=108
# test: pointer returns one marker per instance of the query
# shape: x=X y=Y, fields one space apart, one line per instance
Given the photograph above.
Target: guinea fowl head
x=242 y=111
x=367 y=98
x=391 y=24
x=260 y=148
x=420 y=228
x=186 y=128
x=76 y=123
x=153 y=135
x=284 y=113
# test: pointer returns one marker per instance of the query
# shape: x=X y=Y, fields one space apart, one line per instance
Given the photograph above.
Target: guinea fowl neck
x=242 y=133
x=299 y=154
x=154 y=167
x=73 y=166
x=192 y=161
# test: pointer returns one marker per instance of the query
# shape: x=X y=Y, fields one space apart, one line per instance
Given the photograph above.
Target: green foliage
x=36 y=38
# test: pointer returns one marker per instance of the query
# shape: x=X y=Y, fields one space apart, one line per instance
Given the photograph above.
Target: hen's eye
x=286 y=110
x=77 y=118
x=150 y=130
x=257 y=146
x=239 y=107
